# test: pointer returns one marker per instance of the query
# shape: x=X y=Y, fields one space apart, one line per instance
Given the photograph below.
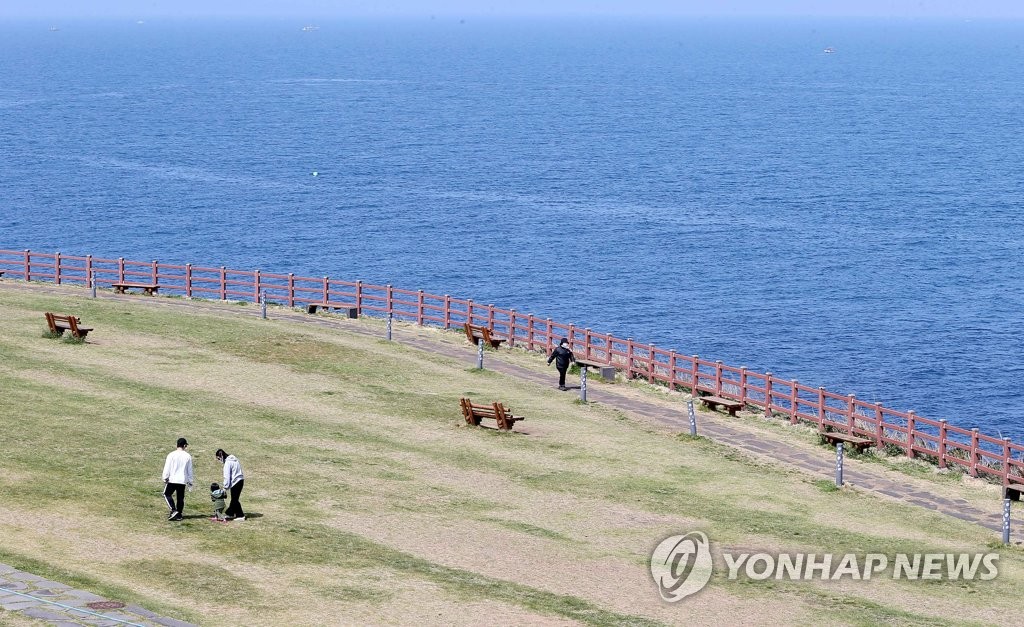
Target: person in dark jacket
x=563 y=358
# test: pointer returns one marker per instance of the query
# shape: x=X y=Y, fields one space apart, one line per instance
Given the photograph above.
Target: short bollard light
x=480 y=354
x=263 y=305
x=693 y=417
x=583 y=384
x=388 y=327
x=839 y=465
x=1006 y=521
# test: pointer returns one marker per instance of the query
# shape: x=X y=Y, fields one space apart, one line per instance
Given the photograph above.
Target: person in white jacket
x=177 y=475
x=233 y=482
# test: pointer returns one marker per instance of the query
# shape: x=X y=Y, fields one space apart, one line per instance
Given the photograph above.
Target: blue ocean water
x=719 y=187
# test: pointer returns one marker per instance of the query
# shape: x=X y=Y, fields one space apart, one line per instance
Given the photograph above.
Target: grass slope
x=370 y=501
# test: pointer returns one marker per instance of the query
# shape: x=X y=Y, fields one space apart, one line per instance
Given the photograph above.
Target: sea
x=834 y=201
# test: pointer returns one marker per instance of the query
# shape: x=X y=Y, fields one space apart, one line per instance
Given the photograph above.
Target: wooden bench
x=59 y=324
x=1013 y=491
x=606 y=370
x=858 y=443
x=714 y=401
x=149 y=288
x=497 y=412
x=348 y=310
x=475 y=332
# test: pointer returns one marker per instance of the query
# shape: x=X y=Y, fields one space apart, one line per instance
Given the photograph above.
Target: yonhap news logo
x=682 y=565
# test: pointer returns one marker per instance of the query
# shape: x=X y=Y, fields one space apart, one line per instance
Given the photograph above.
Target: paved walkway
x=58 y=604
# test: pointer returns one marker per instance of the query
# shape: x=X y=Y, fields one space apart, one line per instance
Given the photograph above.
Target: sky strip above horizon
x=313 y=9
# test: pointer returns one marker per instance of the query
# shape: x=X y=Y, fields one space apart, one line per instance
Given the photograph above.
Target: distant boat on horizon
x=310 y=27
x=829 y=50
x=54 y=29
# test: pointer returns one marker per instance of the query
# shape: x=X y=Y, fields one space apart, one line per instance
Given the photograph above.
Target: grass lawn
x=370 y=501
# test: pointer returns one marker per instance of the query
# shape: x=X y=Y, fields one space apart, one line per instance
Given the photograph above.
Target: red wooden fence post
x=973 y=467
x=327 y=290
x=447 y=312
x=879 y=421
x=256 y=286
x=89 y=279
x=650 y=363
x=512 y=327
x=28 y=265
x=586 y=343
x=291 y=289
x=821 y=409
x=56 y=268
x=419 y=308
x=851 y=413
x=469 y=310
x=490 y=316
x=188 y=280
x=911 y=428
x=672 y=370
x=942 y=443
x=530 y=322
x=629 y=358
x=223 y=283
x=359 y=298
x=1006 y=461
x=794 y=401
x=718 y=378
x=120 y=269
x=743 y=385
x=695 y=373
x=156 y=273
x=767 y=395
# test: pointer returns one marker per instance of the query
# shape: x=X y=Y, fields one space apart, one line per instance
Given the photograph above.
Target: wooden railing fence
x=904 y=432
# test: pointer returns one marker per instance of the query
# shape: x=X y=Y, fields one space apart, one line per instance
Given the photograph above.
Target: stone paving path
x=58 y=604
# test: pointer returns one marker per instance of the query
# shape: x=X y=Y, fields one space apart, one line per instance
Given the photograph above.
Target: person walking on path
x=177 y=475
x=562 y=357
x=233 y=482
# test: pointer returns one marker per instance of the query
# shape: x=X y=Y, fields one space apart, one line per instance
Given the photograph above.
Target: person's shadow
x=248 y=515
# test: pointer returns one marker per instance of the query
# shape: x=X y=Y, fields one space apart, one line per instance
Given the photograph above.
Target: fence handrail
x=980 y=454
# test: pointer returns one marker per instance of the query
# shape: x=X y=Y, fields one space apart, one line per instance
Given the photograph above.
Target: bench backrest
x=475 y=332
x=66 y=322
x=473 y=413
